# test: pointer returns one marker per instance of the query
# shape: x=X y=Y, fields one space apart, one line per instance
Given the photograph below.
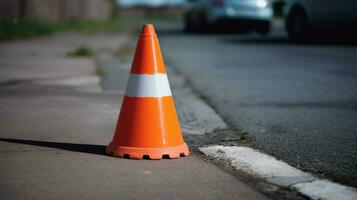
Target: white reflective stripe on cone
x=148 y=85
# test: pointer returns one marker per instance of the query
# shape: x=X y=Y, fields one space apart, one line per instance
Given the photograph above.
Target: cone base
x=150 y=153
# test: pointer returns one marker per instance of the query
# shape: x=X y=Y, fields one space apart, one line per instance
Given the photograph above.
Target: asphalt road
x=296 y=102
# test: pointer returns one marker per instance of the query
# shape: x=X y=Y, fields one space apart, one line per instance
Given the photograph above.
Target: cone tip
x=148 y=29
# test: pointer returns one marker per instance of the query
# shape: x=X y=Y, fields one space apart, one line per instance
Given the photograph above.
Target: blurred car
x=255 y=14
x=304 y=18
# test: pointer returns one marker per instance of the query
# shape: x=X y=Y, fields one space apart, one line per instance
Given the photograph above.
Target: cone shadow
x=83 y=148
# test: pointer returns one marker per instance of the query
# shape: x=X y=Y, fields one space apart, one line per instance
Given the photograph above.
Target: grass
x=23 y=28
x=111 y=25
x=20 y=28
x=81 y=51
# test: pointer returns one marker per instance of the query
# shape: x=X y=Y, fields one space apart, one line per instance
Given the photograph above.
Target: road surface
x=296 y=102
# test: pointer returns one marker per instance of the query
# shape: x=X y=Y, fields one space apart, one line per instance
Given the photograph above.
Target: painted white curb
x=280 y=173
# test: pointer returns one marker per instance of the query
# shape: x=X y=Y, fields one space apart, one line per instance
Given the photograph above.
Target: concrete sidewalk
x=55 y=123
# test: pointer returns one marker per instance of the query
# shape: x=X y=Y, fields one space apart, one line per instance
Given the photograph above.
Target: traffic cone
x=147 y=126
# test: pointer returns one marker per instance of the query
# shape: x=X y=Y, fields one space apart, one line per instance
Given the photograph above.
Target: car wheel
x=188 y=24
x=263 y=28
x=202 y=25
x=194 y=23
x=297 y=26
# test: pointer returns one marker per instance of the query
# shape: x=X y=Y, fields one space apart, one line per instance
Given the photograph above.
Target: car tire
x=263 y=28
x=195 y=23
x=188 y=24
x=202 y=24
x=297 y=26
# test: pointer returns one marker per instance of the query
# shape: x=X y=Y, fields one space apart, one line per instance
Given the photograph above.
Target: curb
x=273 y=171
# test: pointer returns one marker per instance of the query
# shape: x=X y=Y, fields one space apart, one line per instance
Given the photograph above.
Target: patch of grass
x=21 y=28
x=81 y=51
x=111 y=25
x=118 y=22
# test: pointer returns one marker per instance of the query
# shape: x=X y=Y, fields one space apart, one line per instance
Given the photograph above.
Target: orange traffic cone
x=148 y=126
